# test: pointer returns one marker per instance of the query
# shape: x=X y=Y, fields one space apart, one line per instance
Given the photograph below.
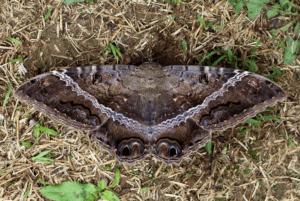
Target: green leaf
x=190 y=175
x=236 y=65
x=184 y=46
x=224 y=151
x=107 y=168
x=47 y=15
x=44 y=183
x=68 y=2
x=277 y=119
x=14 y=40
x=237 y=5
x=7 y=95
x=134 y=172
x=273 y=13
x=252 y=121
x=201 y=21
x=43 y=153
x=48 y=130
x=143 y=190
x=279 y=45
x=275 y=70
x=19 y=107
x=220 y=26
x=43 y=159
x=26 y=194
x=117 y=180
x=151 y=181
x=28 y=116
x=290 y=53
x=210 y=24
x=110 y=196
x=255 y=47
x=119 y=53
x=104 y=55
x=271 y=77
x=283 y=3
x=101 y=185
x=26 y=144
x=267 y=117
x=243 y=130
x=67 y=191
x=115 y=51
x=15 y=60
x=9 y=184
x=291 y=143
x=255 y=7
x=172 y=19
x=253 y=67
x=208 y=147
x=37 y=131
x=297 y=30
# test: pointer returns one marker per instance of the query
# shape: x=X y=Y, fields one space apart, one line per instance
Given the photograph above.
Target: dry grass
x=258 y=165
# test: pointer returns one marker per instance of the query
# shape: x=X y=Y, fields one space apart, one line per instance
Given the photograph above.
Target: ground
x=248 y=162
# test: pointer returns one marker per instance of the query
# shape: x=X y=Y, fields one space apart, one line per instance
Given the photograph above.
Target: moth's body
x=164 y=111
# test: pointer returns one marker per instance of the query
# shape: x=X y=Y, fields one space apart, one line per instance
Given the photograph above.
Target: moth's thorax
x=148 y=77
x=149 y=65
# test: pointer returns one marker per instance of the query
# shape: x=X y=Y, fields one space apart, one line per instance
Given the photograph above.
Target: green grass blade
x=14 y=40
x=184 y=46
x=119 y=53
x=112 y=47
x=118 y=176
x=172 y=19
x=230 y=55
x=47 y=15
x=15 y=60
x=218 y=60
x=207 y=56
x=7 y=95
x=208 y=147
x=201 y=21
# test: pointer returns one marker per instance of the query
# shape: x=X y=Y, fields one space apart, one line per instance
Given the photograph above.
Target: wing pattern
x=133 y=111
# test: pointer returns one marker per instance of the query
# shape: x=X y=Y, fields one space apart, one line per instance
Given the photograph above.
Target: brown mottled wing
x=225 y=97
x=83 y=98
x=210 y=99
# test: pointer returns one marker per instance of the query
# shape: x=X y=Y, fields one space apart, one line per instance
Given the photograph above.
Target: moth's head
x=148 y=72
x=150 y=66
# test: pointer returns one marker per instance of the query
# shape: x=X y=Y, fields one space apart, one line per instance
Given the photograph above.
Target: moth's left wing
x=77 y=97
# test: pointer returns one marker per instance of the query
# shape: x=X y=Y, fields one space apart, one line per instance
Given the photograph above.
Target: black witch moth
x=149 y=109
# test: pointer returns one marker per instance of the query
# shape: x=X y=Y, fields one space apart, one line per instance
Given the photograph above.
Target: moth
x=134 y=111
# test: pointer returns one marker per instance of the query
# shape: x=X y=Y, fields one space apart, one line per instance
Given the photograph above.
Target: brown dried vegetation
x=260 y=165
